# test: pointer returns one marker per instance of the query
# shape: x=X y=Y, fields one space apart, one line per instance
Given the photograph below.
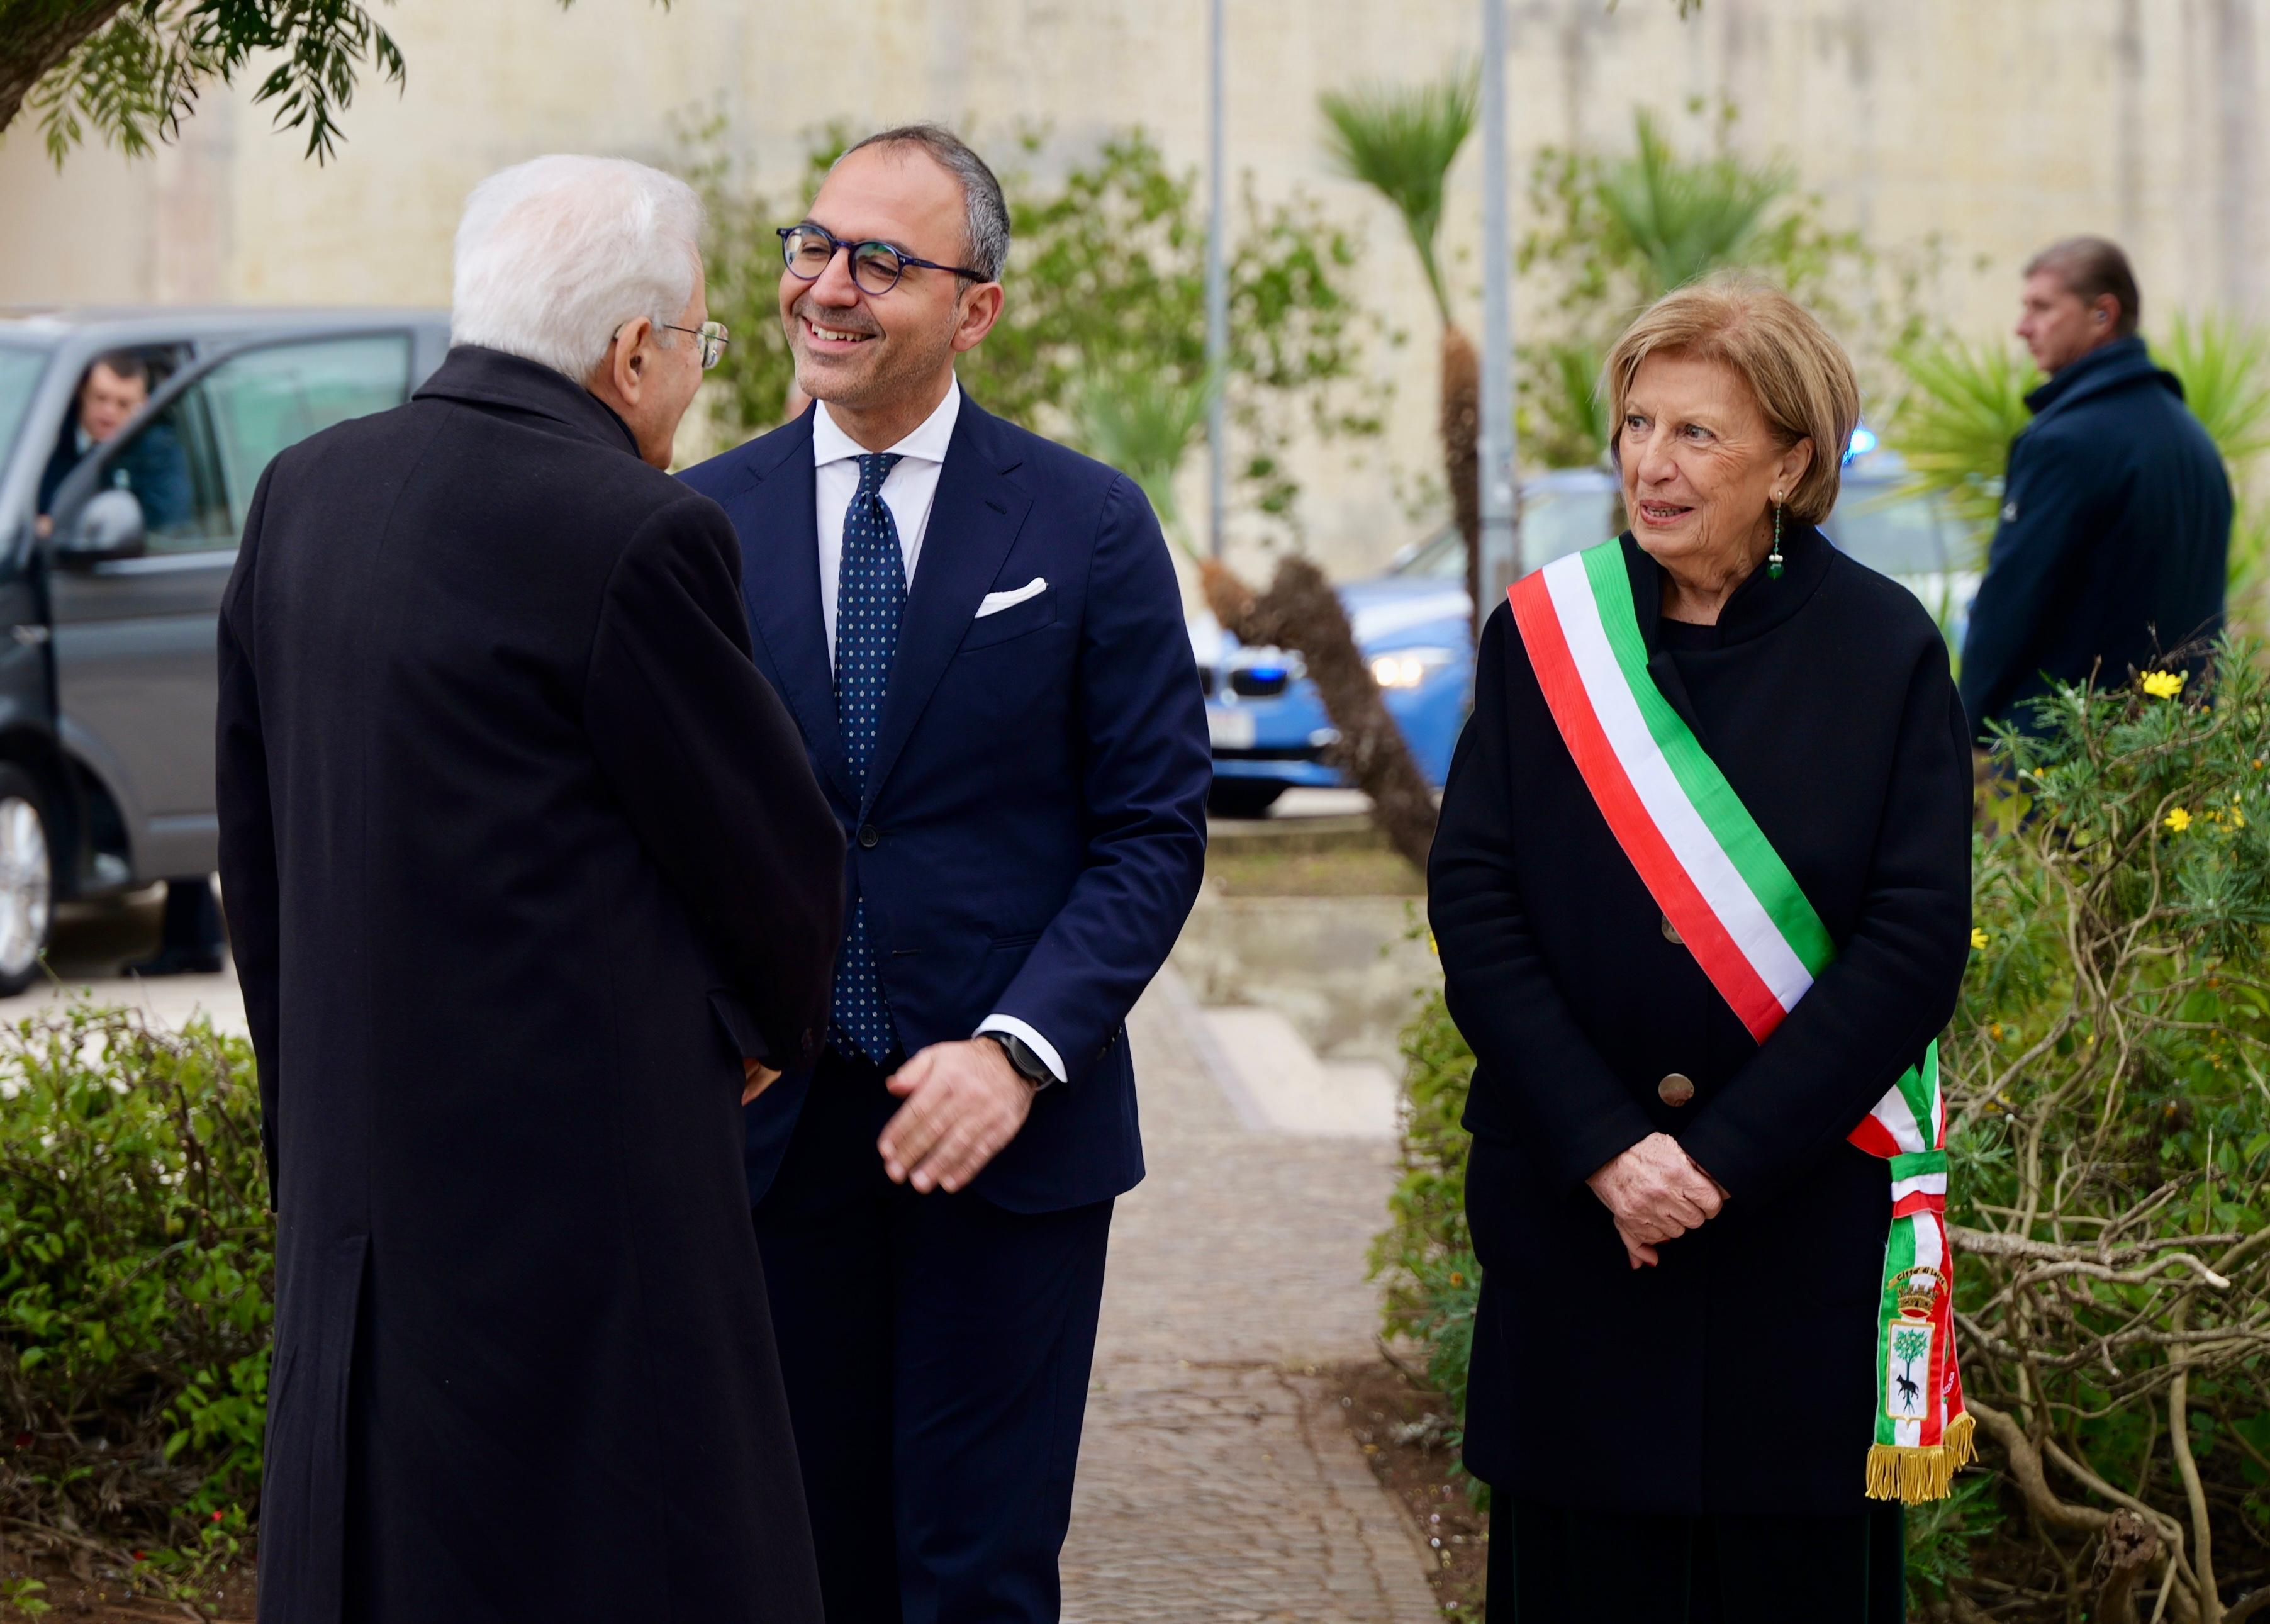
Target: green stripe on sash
x=1745 y=844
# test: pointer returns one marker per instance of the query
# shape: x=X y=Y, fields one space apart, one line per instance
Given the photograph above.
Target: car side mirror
x=110 y=526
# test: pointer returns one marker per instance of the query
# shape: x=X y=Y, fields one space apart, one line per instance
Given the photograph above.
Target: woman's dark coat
x=1738 y=1376
x=522 y=857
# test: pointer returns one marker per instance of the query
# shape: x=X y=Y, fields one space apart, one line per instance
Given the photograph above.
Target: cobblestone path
x=1218 y=1484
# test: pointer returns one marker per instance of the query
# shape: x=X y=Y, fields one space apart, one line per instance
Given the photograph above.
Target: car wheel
x=27 y=888
x=1242 y=798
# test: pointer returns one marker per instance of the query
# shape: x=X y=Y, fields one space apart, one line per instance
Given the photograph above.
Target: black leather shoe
x=179 y=961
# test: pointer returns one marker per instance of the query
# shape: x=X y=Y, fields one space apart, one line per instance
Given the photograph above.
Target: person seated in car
x=154 y=468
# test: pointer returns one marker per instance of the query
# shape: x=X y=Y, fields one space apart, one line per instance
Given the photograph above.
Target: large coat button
x=1671 y=931
x=869 y=837
x=1676 y=1089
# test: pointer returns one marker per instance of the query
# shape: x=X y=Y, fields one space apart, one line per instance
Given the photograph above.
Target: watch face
x=1027 y=1064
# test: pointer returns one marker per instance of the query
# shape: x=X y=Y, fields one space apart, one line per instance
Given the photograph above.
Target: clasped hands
x=1656 y=1192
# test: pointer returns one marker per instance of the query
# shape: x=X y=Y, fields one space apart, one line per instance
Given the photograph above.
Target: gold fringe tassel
x=1909 y=1475
x=1960 y=1440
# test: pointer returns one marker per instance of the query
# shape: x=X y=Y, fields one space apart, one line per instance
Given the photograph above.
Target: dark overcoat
x=522 y=858
x=1739 y=1376
x=2113 y=541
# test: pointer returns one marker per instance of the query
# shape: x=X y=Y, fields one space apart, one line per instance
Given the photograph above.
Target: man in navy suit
x=981 y=637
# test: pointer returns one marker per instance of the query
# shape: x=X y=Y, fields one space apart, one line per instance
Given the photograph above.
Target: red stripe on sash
x=1873 y=1137
x=1919 y=1201
x=1629 y=820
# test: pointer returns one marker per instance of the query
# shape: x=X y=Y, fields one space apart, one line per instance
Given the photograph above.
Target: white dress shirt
x=909 y=491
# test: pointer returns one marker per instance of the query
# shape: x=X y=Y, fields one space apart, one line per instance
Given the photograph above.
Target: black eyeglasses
x=876 y=267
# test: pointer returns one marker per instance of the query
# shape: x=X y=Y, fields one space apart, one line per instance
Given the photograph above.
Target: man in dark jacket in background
x=2116 y=518
x=531 y=888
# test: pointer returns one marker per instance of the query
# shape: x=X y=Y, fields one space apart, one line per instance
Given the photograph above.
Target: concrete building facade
x=1991 y=125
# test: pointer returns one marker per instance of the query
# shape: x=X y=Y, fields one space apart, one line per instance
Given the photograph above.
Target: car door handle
x=30 y=636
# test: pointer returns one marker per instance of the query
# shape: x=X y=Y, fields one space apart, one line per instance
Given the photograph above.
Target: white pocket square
x=994 y=603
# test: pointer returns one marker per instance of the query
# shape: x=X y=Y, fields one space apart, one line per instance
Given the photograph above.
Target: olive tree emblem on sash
x=1907 y=1369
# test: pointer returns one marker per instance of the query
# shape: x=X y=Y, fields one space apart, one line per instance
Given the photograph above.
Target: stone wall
x=1992 y=124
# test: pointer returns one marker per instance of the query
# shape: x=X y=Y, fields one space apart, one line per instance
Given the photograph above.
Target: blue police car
x=1412 y=623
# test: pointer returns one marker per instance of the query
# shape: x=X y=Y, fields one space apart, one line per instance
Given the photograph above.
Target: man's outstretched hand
x=964 y=1101
x=1656 y=1194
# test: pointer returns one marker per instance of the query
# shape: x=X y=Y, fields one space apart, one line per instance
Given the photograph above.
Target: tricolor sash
x=1752 y=929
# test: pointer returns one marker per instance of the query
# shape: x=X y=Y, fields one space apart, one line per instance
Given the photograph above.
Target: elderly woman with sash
x=1702 y=894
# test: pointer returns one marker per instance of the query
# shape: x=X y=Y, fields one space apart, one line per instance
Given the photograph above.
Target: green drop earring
x=1773 y=559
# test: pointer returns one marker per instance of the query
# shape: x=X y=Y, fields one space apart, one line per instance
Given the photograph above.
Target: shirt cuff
x=1011 y=1026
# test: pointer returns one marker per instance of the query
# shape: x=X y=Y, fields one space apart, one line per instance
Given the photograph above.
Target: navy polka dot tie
x=869 y=593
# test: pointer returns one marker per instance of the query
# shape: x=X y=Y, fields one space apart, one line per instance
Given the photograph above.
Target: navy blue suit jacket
x=1033 y=832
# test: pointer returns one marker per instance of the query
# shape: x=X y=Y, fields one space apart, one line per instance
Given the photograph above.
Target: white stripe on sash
x=1691 y=841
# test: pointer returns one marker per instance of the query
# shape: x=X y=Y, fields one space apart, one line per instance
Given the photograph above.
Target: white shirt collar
x=928 y=442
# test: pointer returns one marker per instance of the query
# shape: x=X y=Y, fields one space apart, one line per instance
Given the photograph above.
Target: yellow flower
x=2178 y=821
x=2163 y=685
x=1977 y=937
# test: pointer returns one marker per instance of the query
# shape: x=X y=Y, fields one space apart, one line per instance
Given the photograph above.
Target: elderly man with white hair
x=531 y=888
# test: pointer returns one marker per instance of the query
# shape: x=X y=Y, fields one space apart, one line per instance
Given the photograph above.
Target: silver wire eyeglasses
x=713 y=339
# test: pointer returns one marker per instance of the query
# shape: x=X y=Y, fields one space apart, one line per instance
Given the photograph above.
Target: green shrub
x=1425 y=1255
x=136 y=1293
x=2109 y=1088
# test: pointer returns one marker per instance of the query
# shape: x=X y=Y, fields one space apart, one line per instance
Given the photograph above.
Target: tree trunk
x=1462 y=434
x=36 y=36
x=1300 y=611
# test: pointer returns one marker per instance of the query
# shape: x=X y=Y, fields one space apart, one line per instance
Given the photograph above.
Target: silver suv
x=114 y=547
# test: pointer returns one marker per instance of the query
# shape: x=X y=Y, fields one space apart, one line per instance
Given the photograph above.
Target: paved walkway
x=1217 y=1481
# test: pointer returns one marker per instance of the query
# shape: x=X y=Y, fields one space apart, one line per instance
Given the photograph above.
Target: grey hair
x=556 y=253
x=985 y=211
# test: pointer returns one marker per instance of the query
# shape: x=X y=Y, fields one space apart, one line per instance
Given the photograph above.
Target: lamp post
x=1217 y=294
x=1501 y=534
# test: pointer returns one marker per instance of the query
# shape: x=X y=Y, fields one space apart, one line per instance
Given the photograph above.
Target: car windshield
x=20 y=375
x=1554 y=523
x=1892 y=531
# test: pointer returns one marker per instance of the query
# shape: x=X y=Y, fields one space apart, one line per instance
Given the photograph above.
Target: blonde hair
x=1800 y=376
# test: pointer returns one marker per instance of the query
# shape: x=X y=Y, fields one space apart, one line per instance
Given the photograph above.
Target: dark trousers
x=1554 y=1565
x=936 y=1352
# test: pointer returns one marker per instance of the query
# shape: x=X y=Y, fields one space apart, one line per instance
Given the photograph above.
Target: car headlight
x=1407 y=667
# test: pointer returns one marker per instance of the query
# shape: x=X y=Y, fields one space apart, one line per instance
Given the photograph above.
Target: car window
x=20 y=375
x=1892 y=531
x=1555 y=523
x=195 y=466
x=1441 y=557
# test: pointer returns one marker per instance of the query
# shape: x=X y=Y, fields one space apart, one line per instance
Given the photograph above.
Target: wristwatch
x=1022 y=1060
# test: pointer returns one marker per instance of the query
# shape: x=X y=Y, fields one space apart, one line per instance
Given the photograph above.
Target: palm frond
x=1954 y=425
x=1401 y=141
x=2226 y=381
x=1144 y=423
x=1682 y=219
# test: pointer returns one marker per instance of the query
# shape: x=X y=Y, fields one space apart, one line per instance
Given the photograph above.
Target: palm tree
x=1644 y=223
x=1682 y=220
x=1401 y=141
x=1144 y=423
